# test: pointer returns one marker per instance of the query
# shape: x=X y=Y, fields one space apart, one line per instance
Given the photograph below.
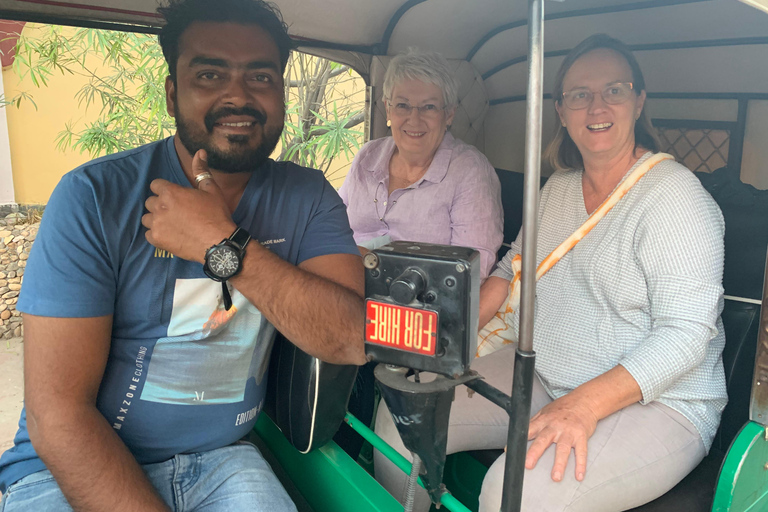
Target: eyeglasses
x=613 y=94
x=428 y=111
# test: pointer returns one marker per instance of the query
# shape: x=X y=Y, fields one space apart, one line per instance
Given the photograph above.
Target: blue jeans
x=232 y=478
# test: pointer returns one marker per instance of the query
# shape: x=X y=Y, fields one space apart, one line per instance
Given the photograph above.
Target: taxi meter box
x=422 y=305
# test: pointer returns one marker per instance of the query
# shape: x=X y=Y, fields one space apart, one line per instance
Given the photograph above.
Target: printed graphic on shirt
x=209 y=352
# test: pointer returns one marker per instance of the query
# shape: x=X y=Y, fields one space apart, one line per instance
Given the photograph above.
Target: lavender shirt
x=456 y=202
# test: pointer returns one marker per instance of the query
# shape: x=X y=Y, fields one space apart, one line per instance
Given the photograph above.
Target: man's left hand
x=567 y=422
x=184 y=221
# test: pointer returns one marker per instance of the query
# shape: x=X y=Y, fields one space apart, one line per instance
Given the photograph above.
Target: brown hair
x=562 y=152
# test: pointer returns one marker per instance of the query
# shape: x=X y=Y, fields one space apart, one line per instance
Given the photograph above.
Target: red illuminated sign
x=410 y=329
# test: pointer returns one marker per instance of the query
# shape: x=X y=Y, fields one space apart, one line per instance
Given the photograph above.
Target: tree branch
x=334 y=73
x=353 y=121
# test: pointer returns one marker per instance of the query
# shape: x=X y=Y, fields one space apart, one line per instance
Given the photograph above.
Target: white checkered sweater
x=642 y=289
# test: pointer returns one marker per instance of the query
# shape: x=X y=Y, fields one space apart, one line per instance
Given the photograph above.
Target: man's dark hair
x=180 y=14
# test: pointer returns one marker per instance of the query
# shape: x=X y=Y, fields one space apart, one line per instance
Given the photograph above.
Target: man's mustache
x=212 y=117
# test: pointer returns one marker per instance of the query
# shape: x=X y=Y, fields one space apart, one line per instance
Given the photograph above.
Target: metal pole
x=517 y=438
x=532 y=171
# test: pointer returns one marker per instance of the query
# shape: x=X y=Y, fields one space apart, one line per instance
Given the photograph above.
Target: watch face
x=223 y=262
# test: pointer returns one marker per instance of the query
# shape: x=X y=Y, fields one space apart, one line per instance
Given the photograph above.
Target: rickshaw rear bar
x=491 y=393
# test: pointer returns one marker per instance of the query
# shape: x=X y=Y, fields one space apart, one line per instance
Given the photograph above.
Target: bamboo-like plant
x=124 y=73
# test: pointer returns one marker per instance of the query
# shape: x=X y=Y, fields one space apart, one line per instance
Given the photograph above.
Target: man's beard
x=238 y=159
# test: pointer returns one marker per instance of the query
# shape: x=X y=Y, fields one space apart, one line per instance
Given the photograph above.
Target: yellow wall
x=37 y=164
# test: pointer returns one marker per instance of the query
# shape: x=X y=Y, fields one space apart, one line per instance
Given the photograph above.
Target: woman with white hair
x=422 y=184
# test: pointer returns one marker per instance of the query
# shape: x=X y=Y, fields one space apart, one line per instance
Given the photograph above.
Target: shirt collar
x=439 y=166
x=436 y=171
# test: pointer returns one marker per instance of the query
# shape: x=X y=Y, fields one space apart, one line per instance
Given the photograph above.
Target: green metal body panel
x=327 y=478
x=448 y=500
x=743 y=482
x=464 y=477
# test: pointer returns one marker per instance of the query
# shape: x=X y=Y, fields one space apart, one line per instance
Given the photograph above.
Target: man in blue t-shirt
x=156 y=283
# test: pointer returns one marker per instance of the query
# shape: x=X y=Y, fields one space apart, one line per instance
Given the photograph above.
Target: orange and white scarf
x=498 y=332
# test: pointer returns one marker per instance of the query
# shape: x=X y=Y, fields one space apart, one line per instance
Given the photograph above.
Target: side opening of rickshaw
x=706 y=66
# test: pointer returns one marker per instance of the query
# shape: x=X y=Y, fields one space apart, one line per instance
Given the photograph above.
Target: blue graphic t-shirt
x=183 y=375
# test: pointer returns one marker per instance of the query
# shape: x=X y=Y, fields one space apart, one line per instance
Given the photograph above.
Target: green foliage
x=323 y=108
x=124 y=76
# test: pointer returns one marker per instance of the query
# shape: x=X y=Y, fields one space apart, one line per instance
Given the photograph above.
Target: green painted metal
x=327 y=478
x=743 y=482
x=464 y=477
x=447 y=500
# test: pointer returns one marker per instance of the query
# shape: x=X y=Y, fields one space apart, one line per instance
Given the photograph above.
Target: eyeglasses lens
x=428 y=111
x=613 y=94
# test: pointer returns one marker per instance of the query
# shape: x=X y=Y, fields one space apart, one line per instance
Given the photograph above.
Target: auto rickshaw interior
x=706 y=68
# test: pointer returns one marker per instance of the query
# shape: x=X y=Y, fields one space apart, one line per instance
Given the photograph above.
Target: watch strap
x=226 y=296
x=240 y=238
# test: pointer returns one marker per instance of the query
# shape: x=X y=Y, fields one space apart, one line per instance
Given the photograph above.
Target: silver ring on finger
x=201 y=177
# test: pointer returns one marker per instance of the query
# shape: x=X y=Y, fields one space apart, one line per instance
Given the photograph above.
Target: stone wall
x=16 y=237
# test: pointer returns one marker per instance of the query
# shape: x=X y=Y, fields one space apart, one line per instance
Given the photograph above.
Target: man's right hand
x=185 y=221
x=64 y=361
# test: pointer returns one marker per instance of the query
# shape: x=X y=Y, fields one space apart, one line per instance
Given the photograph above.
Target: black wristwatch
x=225 y=260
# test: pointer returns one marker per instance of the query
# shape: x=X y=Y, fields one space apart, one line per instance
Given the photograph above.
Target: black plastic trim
x=663 y=95
x=313 y=43
x=383 y=46
x=76 y=22
x=637 y=6
x=709 y=95
x=736 y=145
x=677 y=45
x=695 y=124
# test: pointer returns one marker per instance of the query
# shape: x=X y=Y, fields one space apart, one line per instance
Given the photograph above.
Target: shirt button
x=385 y=203
x=375 y=200
x=381 y=218
x=394 y=202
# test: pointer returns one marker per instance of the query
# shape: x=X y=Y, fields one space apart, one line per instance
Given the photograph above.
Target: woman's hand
x=571 y=420
x=569 y=423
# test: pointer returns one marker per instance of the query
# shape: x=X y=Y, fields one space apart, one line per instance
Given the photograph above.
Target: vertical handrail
x=532 y=181
x=522 y=387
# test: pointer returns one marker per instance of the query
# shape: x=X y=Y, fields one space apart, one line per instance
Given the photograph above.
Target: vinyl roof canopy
x=490 y=34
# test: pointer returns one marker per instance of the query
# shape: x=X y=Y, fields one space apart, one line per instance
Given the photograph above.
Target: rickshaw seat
x=306 y=398
x=696 y=491
x=512 y=204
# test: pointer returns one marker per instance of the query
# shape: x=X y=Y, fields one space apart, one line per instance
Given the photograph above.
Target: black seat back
x=741 y=321
x=745 y=210
x=512 y=202
x=306 y=397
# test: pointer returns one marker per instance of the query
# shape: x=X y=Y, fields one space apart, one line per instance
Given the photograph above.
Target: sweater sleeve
x=679 y=247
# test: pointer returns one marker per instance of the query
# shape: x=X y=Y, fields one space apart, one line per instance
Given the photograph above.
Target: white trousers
x=635 y=455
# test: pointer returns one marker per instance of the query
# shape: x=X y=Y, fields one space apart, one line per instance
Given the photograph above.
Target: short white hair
x=428 y=67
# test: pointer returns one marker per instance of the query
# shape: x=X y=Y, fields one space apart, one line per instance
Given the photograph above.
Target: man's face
x=228 y=95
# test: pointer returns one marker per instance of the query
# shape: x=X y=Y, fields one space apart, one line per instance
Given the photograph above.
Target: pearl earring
x=389 y=123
